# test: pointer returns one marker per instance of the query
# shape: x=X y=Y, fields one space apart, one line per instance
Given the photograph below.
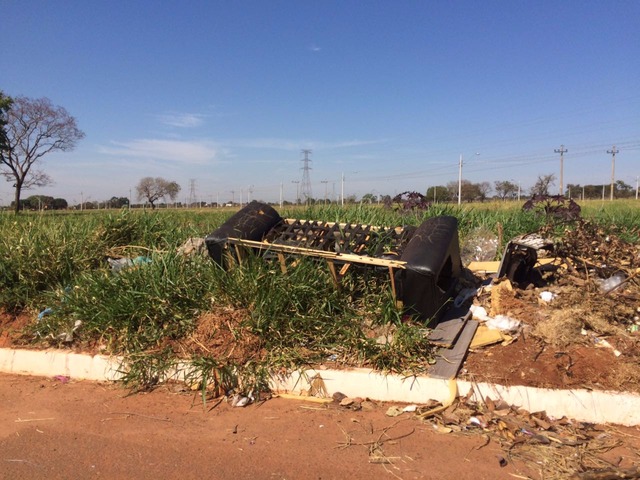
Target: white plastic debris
x=410 y=408
x=479 y=313
x=548 y=296
x=503 y=323
x=612 y=282
x=239 y=401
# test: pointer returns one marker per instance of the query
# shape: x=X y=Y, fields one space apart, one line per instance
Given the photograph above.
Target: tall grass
x=59 y=261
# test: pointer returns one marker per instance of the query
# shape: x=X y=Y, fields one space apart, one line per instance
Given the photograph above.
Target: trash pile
x=555 y=295
x=557 y=448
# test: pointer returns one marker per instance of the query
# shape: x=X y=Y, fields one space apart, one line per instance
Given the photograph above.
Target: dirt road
x=50 y=429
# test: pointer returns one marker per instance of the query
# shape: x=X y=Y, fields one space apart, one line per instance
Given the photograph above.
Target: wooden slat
x=340 y=257
x=449 y=361
x=446 y=332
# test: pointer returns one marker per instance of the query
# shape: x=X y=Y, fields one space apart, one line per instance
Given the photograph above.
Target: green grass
x=59 y=261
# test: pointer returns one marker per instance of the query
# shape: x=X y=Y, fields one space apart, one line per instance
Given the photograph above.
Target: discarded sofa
x=423 y=264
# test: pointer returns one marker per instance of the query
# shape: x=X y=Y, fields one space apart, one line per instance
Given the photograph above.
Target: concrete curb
x=582 y=405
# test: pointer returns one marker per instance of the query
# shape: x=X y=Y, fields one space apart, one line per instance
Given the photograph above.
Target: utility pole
x=561 y=151
x=281 y=193
x=297 y=182
x=613 y=152
x=326 y=182
x=460 y=181
x=519 y=191
x=249 y=193
x=233 y=197
x=342 y=193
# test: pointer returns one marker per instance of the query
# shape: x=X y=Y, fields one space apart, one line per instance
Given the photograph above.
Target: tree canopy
x=153 y=189
x=33 y=127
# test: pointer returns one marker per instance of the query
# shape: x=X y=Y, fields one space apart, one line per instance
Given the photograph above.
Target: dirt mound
x=222 y=334
x=585 y=334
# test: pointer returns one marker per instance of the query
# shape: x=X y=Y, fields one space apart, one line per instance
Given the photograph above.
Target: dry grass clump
x=561 y=328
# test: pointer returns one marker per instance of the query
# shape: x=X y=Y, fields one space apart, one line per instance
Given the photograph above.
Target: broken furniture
x=423 y=264
x=520 y=257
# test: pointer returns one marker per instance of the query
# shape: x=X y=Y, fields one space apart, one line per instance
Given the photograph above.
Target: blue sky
x=390 y=93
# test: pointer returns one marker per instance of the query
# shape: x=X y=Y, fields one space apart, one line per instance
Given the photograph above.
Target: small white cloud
x=179 y=151
x=314 y=48
x=182 y=120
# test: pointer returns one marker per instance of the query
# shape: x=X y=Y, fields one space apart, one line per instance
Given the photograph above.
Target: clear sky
x=389 y=92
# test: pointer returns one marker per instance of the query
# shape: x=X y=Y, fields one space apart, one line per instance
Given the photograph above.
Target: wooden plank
x=342 y=257
x=449 y=361
x=485 y=267
x=334 y=273
x=283 y=262
x=492 y=267
x=446 y=332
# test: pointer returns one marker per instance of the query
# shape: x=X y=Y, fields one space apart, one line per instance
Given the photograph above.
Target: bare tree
x=505 y=189
x=5 y=105
x=483 y=190
x=34 y=127
x=153 y=189
x=542 y=184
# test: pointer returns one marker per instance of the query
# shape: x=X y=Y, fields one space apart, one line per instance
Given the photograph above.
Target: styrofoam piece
x=59 y=362
x=582 y=405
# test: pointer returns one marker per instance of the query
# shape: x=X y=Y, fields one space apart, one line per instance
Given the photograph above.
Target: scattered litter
x=608 y=284
x=394 y=411
x=485 y=336
x=601 y=342
x=346 y=402
x=480 y=245
x=193 y=246
x=62 y=378
x=67 y=337
x=45 y=312
x=410 y=408
x=118 y=264
x=479 y=313
x=548 y=297
x=504 y=323
x=239 y=401
x=464 y=295
x=478 y=422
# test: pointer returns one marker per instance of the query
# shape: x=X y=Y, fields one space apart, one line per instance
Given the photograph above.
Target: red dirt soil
x=50 y=429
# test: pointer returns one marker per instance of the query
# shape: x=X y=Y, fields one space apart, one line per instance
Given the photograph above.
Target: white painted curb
x=582 y=405
x=49 y=363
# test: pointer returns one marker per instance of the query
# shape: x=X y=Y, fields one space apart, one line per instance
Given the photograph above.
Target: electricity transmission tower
x=192 y=191
x=306 y=179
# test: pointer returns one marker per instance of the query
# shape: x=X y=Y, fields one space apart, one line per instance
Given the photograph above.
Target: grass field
x=59 y=262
